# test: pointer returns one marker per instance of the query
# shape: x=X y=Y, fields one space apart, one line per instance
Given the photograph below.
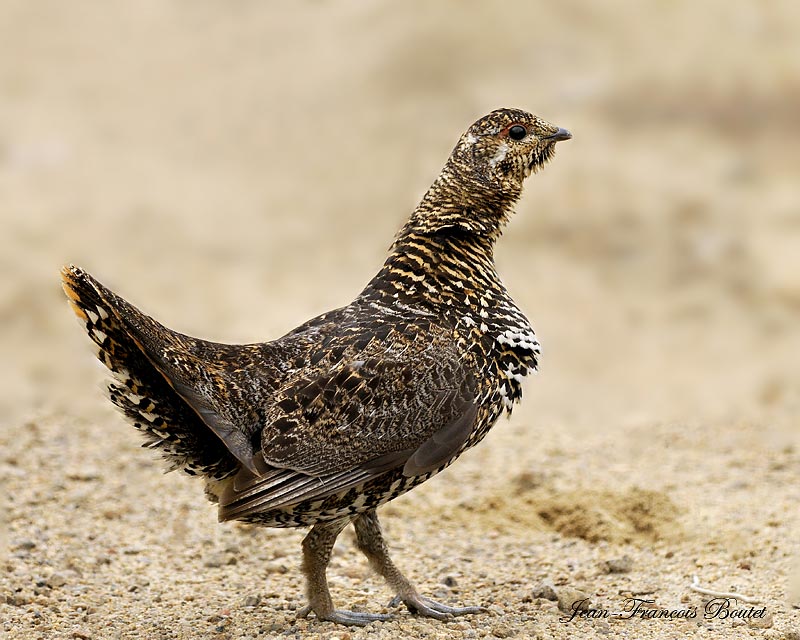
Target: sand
x=235 y=168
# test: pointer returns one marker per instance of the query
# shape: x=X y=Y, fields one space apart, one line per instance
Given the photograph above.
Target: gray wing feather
x=232 y=436
x=442 y=445
x=250 y=494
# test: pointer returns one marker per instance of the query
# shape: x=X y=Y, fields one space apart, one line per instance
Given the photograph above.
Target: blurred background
x=235 y=168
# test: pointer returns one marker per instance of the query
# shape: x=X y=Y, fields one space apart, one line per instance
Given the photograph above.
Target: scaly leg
x=317 y=547
x=369 y=538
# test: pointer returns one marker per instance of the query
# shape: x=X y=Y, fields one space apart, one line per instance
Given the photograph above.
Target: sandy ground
x=235 y=168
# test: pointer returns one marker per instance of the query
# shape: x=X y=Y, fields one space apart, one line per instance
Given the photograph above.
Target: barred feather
x=138 y=389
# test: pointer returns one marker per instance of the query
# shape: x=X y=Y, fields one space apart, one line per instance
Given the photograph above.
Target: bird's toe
x=348 y=618
x=429 y=608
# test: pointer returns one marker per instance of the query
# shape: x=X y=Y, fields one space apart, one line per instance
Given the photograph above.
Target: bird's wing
x=366 y=409
x=341 y=428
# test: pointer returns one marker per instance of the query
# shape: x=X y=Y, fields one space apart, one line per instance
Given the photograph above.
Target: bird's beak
x=558 y=136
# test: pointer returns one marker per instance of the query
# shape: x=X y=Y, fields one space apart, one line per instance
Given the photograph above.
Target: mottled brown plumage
x=358 y=405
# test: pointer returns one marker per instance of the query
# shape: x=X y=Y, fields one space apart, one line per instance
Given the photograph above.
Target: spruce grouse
x=357 y=406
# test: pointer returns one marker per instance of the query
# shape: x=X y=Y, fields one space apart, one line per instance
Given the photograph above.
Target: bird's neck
x=435 y=271
x=444 y=255
x=462 y=200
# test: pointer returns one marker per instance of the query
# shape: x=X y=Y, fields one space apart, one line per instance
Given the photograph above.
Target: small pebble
x=601 y=626
x=251 y=601
x=132 y=551
x=545 y=589
x=84 y=475
x=503 y=631
x=219 y=559
x=60 y=578
x=548 y=605
x=761 y=623
x=568 y=596
x=18 y=600
x=279 y=567
x=618 y=565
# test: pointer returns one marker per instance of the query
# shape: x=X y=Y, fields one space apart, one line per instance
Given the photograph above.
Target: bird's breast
x=506 y=350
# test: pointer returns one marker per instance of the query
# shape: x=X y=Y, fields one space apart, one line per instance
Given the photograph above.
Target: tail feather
x=138 y=389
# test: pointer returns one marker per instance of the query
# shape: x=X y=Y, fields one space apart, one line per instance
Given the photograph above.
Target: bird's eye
x=517 y=132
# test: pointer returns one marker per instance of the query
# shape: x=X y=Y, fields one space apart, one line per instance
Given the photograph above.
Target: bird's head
x=483 y=177
x=506 y=146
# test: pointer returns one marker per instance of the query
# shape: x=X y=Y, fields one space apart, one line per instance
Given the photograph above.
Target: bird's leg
x=369 y=538
x=317 y=547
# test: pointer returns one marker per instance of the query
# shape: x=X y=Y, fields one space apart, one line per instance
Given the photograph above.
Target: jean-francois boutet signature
x=719 y=608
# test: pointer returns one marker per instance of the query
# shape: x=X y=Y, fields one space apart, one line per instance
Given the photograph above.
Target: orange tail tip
x=82 y=295
x=70 y=275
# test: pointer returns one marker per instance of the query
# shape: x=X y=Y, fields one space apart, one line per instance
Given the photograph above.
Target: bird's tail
x=138 y=389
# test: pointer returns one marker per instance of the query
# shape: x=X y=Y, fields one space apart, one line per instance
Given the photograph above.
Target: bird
x=357 y=406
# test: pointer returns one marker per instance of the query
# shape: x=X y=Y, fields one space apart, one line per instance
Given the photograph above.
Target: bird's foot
x=349 y=618
x=430 y=608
